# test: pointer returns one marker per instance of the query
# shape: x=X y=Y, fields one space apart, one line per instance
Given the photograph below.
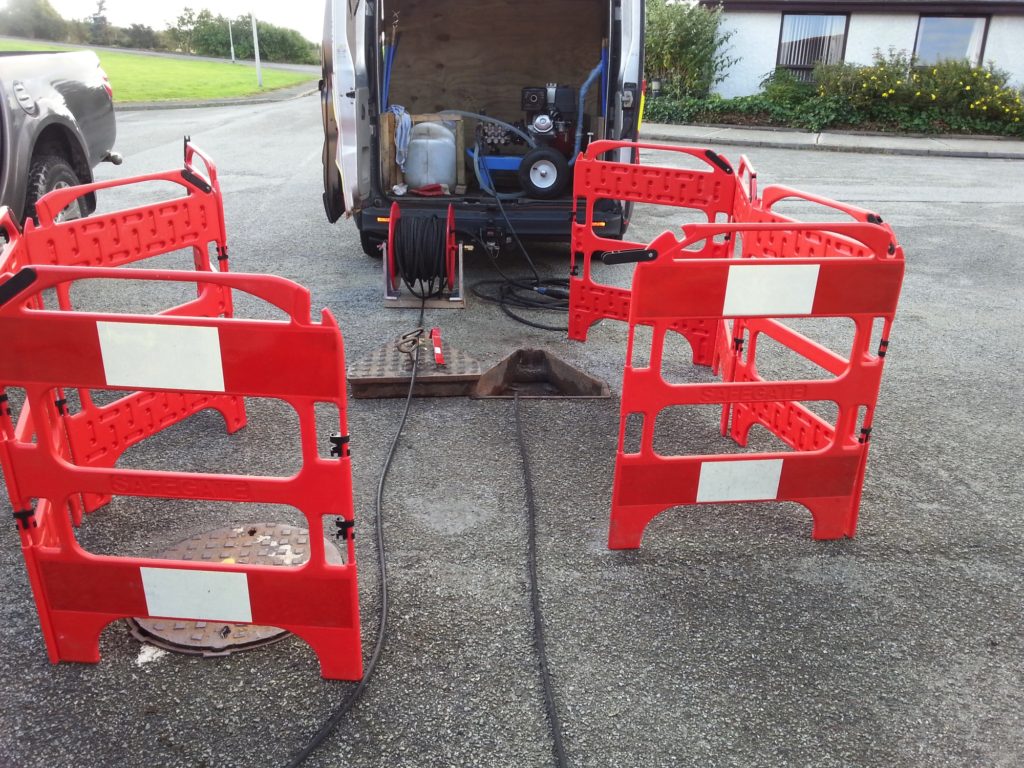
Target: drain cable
x=420 y=252
x=540 y=644
x=561 y=761
x=520 y=293
x=339 y=714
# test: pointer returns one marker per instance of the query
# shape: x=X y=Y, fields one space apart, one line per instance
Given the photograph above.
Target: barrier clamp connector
x=339 y=445
x=23 y=517
x=346 y=529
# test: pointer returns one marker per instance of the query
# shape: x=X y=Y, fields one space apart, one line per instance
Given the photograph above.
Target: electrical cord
x=561 y=760
x=520 y=292
x=339 y=714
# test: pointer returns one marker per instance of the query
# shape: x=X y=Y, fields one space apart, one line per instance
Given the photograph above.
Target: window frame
x=984 y=34
x=803 y=72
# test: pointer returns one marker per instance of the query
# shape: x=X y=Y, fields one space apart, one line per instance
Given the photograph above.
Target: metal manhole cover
x=254 y=544
x=385 y=373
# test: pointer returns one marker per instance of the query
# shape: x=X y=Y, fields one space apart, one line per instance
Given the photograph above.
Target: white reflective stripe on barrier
x=187 y=594
x=782 y=289
x=150 y=356
x=749 y=480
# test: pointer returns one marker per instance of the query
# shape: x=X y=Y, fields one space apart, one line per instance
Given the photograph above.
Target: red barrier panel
x=782 y=269
x=715 y=191
x=299 y=362
x=99 y=435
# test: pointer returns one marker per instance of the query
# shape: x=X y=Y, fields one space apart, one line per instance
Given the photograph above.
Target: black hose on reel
x=420 y=254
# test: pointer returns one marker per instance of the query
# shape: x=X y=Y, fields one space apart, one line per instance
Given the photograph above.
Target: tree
x=686 y=47
x=210 y=36
x=140 y=36
x=182 y=31
x=32 y=18
x=100 y=34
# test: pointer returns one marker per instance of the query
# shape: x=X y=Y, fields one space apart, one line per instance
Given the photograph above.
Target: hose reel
x=424 y=256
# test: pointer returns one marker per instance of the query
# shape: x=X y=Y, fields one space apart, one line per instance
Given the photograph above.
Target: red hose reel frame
x=392 y=276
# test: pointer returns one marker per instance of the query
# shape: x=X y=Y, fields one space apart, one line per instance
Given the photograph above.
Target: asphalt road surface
x=729 y=639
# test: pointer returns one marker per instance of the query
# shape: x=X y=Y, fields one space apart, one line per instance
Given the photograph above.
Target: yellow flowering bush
x=894 y=82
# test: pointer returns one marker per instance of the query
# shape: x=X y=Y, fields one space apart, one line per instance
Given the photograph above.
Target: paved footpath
x=835 y=141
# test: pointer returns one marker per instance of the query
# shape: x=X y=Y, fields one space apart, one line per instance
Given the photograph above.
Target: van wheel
x=544 y=173
x=371 y=245
x=50 y=172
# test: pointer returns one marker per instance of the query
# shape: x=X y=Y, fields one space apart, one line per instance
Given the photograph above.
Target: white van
x=438 y=102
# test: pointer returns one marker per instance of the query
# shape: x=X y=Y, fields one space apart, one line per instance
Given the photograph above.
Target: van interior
x=521 y=63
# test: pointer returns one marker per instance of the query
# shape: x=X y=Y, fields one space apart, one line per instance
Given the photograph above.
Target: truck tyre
x=544 y=173
x=50 y=172
x=371 y=244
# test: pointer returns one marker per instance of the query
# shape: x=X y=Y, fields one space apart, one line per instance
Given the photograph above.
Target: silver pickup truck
x=56 y=125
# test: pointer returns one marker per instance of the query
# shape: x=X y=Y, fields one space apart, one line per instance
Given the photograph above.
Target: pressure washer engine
x=551 y=119
x=552 y=122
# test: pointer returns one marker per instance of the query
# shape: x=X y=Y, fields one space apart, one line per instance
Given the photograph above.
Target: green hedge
x=892 y=94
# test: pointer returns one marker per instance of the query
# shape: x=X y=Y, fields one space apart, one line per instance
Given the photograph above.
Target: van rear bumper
x=482 y=219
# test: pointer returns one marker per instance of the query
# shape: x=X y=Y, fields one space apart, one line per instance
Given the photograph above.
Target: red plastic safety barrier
x=98 y=435
x=301 y=362
x=780 y=269
x=716 y=192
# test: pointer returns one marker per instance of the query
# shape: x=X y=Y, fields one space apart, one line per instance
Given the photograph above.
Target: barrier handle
x=52 y=203
x=776 y=192
x=210 y=171
x=16 y=283
x=709 y=156
x=874 y=236
x=290 y=297
x=747 y=176
x=631 y=256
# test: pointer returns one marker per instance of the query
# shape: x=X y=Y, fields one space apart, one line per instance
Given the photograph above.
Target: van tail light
x=106 y=84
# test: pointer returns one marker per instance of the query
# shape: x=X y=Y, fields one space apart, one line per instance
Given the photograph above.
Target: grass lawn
x=137 y=77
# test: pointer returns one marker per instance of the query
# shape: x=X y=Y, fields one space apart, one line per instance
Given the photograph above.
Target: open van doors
x=345 y=105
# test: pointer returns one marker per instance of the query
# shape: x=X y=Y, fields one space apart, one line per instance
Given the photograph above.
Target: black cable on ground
x=561 y=760
x=521 y=292
x=339 y=714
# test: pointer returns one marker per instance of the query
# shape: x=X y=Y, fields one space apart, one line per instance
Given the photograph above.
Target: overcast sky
x=307 y=16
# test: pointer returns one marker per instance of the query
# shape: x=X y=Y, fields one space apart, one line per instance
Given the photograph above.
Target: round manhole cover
x=253 y=544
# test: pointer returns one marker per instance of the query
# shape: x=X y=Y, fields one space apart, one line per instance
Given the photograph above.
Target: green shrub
x=685 y=48
x=783 y=87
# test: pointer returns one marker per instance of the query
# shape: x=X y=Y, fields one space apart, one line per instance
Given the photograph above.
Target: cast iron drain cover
x=385 y=373
x=253 y=544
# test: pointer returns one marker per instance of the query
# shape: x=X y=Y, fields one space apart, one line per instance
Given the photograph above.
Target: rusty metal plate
x=538 y=374
x=385 y=373
x=254 y=544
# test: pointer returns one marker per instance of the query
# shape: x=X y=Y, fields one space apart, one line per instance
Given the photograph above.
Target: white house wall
x=882 y=31
x=756 y=45
x=1005 y=45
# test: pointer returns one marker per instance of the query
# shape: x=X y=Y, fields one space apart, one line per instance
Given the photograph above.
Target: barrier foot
x=626 y=529
x=76 y=636
x=834 y=518
x=338 y=651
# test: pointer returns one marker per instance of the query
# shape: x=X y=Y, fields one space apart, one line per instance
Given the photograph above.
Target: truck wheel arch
x=58 y=141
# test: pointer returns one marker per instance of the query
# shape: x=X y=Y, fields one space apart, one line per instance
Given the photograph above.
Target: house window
x=809 y=38
x=950 y=37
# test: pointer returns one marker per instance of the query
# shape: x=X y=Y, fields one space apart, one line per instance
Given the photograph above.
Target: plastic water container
x=431 y=157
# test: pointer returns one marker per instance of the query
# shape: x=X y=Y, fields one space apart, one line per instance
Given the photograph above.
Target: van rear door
x=628 y=26
x=345 y=104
